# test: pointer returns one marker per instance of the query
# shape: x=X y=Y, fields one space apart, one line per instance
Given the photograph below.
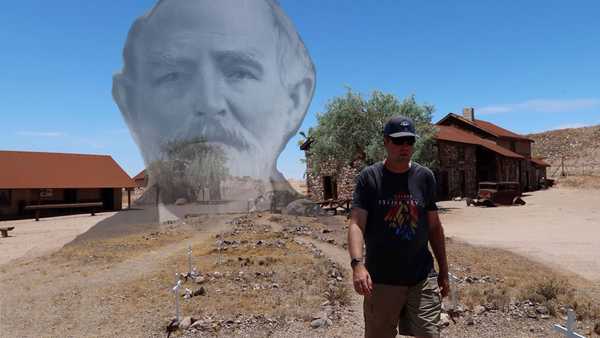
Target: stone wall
x=457 y=169
x=508 y=169
x=343 y=177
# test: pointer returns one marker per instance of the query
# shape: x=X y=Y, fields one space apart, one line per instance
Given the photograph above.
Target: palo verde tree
x=353 y=125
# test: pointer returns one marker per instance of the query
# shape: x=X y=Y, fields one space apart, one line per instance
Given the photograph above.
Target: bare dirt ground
x=31 y=239
x=280 y=272
x=559 y=227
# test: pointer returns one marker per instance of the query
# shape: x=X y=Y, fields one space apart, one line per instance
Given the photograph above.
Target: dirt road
x=32 y=239
x=559 y=227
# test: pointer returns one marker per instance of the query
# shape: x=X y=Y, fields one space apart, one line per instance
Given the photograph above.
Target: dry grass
x=278 y=279
x=518 y=279
x=249 y=273
x=117 y=249
x=338 y=293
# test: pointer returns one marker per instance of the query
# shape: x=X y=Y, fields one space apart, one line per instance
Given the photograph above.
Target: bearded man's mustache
x=210 y=129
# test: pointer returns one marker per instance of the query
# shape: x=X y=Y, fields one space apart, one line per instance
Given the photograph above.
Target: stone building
x=469 y=151
x=472 y=151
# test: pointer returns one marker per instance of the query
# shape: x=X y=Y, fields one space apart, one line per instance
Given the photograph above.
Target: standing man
x=395 y=215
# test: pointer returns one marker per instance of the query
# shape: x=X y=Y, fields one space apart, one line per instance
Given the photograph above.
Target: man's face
x=209 y=69
x=399 y=149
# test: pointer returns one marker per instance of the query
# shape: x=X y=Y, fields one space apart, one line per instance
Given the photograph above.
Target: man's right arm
x=360 y=276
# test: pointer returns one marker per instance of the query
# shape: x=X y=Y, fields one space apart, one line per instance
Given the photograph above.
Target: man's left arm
x=438 y=245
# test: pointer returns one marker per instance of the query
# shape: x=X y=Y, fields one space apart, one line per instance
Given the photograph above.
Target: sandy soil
x=559 y=227
x=31 y=239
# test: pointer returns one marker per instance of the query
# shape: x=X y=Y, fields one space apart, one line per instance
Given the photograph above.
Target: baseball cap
x=399 y=126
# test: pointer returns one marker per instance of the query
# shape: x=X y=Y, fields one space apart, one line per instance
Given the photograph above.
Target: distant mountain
x=580 y=148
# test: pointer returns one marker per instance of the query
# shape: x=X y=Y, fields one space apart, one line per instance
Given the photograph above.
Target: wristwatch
x=355 y=261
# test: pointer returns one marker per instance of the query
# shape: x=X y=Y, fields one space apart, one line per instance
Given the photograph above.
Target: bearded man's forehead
x=254 y=18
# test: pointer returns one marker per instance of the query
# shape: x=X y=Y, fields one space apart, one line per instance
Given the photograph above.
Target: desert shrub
x=585 y=308
x=498 y=296
x=471 y=296
x=545 y=290
x=552 y=306
x=338 y=293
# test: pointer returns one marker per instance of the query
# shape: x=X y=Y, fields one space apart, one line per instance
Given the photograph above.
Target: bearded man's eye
x=241 y=74
x=169 y=77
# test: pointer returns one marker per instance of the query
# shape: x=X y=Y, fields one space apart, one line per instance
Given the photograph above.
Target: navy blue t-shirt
x=396 y=234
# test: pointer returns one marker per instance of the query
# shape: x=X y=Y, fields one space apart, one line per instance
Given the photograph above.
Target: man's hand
x=362 y=280
x=360 y=276
x=438 y=245
x=444 y=284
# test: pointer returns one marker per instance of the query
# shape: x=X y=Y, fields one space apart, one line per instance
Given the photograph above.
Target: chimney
x=469 y=113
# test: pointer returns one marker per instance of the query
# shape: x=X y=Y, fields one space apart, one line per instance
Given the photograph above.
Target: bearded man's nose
x=209 y=100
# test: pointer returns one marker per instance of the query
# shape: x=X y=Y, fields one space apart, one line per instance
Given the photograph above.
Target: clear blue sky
x=527 y=65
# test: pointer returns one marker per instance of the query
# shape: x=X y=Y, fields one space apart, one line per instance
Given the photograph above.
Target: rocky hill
x=580 y=148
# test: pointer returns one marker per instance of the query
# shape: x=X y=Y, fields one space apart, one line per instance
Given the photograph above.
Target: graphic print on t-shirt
x=402 y=215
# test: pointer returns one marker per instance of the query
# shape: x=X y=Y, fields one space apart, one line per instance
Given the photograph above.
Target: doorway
x=108 y=199
x=329 y=187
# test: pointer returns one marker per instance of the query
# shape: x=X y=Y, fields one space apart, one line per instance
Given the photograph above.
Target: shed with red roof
x=41 y=178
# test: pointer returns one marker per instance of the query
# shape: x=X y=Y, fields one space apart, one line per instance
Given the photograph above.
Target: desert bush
x=545 y=290
x=338 y=293
x=471 y=296
x=498 y=296
x=585 y=308
x=552 y=306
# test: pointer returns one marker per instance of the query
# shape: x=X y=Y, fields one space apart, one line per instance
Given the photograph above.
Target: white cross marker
x=569 y=330
x=190 y=261
x=219 y=249
x=453 y=279
x=176 y=291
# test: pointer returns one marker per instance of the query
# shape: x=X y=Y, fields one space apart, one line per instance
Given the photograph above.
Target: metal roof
x=453 y=134
x=32 y=170
x=140 y=176
x=487 y=127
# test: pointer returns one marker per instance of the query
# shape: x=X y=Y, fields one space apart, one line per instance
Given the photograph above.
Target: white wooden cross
x=454 y=299
x=219 y=250
x=568 y=331
x=190 y=261
x=176 y=291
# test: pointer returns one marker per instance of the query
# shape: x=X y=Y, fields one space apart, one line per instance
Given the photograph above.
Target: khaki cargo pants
x=409 y=311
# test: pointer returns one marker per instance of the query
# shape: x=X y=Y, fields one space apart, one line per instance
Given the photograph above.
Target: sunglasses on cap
x=408 y=140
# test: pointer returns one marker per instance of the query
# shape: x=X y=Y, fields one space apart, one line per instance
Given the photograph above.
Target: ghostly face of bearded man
x=233 y=73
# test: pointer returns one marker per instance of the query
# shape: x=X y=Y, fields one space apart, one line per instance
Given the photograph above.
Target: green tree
x=187 y=167
x=353 y=126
